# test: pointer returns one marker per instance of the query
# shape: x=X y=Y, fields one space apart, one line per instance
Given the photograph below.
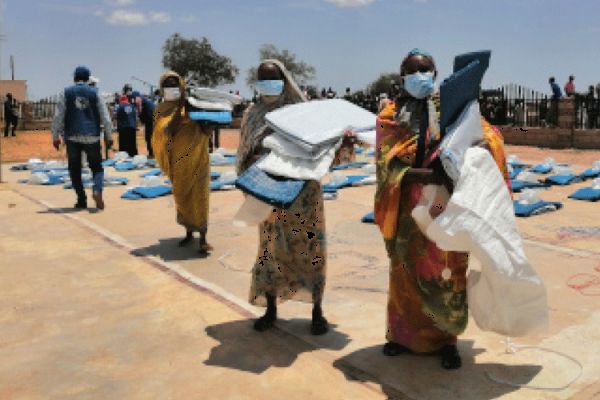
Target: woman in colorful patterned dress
x=291 y=254
x=427 y=300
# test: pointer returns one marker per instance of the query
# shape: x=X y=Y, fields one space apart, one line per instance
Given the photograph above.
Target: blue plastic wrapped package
x=541 y=169
x=125 y=166
x=591 y=193
x=588 y=193
x=219 y=117
x=527 y=210
x=518 y=186
x=530 y=203
x=152 y=172
x=278 y=192
x=563 y=175
x=341 y=181
x=368 y=218
x=153 y=192
x=462 y=87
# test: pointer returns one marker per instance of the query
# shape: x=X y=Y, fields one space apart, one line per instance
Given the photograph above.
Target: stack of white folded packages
x=213 y=100
x=212 y=105
x=307 y=135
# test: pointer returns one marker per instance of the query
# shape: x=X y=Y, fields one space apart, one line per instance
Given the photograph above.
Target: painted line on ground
x=560 y=249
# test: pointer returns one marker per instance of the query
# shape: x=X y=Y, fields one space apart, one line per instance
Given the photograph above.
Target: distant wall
x=555 y=138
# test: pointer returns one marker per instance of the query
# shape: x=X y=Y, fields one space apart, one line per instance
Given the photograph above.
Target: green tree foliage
x=301 y=71
x=197 y=62
x=384 y=83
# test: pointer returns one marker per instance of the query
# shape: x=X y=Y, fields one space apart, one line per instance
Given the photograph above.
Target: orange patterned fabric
x=427 y=299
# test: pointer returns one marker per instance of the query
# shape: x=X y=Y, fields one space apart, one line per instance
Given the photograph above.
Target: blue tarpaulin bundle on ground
x=368 y=218
x=588 y=193
x=518 y=186
x=541 y=169
x=562 y=179
x=143 y=192
x=343 y=182
x=527 y=210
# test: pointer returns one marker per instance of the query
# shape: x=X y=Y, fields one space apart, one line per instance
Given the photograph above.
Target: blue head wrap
x=418 y=52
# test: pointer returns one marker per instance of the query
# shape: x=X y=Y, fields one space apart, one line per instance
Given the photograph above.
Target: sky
x=350 y=42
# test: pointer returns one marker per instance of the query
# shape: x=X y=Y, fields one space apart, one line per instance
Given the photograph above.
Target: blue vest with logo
x=147 y=110
x=81 y=114
x=126 y=116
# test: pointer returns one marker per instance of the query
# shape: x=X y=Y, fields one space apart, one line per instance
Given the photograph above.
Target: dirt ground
x=38 y=144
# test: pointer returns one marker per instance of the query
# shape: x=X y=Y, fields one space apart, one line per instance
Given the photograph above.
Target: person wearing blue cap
x=79 y=114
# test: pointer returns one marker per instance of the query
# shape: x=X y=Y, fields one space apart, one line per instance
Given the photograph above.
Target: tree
x=300 y=71
x=197 y=62
x=384 y=84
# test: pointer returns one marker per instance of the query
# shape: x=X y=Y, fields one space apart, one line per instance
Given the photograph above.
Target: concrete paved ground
x=197 y=322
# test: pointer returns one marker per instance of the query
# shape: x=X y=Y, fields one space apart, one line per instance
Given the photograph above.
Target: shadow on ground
x=169 y=250
x=66 y=210
x=417 y=376
x=242 y=348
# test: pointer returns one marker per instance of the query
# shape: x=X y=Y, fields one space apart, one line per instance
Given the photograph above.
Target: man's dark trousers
x=94 y=158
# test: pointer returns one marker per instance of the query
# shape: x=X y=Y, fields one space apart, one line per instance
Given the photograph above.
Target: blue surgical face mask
x=419 y=84
x=270 y=87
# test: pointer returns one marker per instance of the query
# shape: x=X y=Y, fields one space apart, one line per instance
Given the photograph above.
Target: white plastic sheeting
x=506 y=296
x=461 y=135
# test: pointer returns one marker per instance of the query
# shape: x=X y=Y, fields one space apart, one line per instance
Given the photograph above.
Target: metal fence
x=587 y=112
x=42 y=110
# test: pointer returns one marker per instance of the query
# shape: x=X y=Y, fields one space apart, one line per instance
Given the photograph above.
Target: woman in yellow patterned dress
x=181 y=149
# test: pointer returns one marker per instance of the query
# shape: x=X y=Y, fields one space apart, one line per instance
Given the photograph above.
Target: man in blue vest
x=79 y=113
x=126 y=117
x=147 y=118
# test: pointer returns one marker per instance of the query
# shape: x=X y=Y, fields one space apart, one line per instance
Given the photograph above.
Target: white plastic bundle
x=527 y=176
x=38 y=178
x=549 y=162
x=224 y=152
x=121 y=156
x=513 y=159
x=529 y=196
x=461 y=135
x=335 y=178
x=370 y=169
x=53 y=164
x=140 y=160
x=34 y=163
x=217 y=157
x=563 y=170
x=330 y=196
x=252 y=212
x=370 y=180
x=228 y=176
x=151 y=181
